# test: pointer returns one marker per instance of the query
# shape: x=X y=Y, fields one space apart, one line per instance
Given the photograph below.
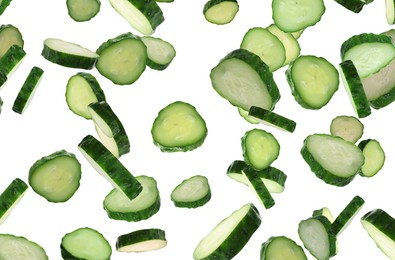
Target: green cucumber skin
x=68 y=60
x=272 y=118
x=16 y=188
x=236 y=166
x=265 y=246
x=26 y=240
x=11 y=58
x=260 y=188
x=352 y=5
x=3 y=78
x=165 y=1
x=346 y=215
x=269 y=173
x=4 y=4
x=140 y=236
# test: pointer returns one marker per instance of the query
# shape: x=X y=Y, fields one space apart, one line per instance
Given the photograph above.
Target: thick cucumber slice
x=245 y=115
x=83 y=10
x=281 y=248
x=85 y=243
x=81 y=90
x=272 y=119
x=105 y=163
x=347 y=127
x=352 y=5
x=347 y=215
x=390 y=11
x=257 y=185
x=324 y=212
x=266 y=45
x=354 y=88
x=313 y=81
x=374 y=157
x=144 y=206
x=369 y=52
x=220 y=11
x=229 y=237
x=192 y=193
x=10 y=198
x=142 y=241
x=178 y=128
x=56 y=177
x=122 y=59
x=292 y=16
x=332 y=159
x=10 y=61
x=26 y=93
x=19 y=248
x=3 y=5
x=160 y=53
x=260 y=148
x=142 y=15
x=9 y=35
x=244 y=80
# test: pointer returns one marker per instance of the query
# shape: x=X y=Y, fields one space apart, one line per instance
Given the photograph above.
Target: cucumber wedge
x=257 y=185
x=3 y=5
x=142 y=241
x=347 y=127
x=10 y=198
x=324 y=212
x=9 y=35
x=220 y=11
x=374 y=157
x=390 y=11
x=160 y=53
x=10 y=61
x=244 y=114
x=347 y=215
x=83 y=10
x=281 y=248
x=19 y=248
x=352 y=5
x=272 y=119
x=192 y=193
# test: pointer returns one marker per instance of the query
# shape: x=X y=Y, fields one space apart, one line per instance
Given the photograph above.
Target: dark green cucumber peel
x=352 y=5
x=3 y=5
x=11 y=195
x=291 y=250
x=347 y=215
x=140 y=236
x=259 y=188
x=11 y=59
x=3 y=79
x=272 y=118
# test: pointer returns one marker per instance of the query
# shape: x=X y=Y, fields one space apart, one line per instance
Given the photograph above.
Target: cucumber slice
x=266 y=45
x=83 y=10
x=178 y=128
x=220 y=11
x=272 y=119
x=354 y=88
x=381 y=228
x=229 y=237
x=256 y=184
x=332 y=159
x=260 y=148
x=9 y=35
x=245 y=115
x=347 y=215
x=108 y=142
x=3 y=5
x=369 y=52
x=347 y=127
x=56 y=177
x=352 y=5
x=105 y=163
x=160 y=53
x=122 y=59
x=313 y=81
x=281 y=248
x=192 y=193
x=10 y=61
x=142 y=15
x=26 y=93
x=244 y=80
x=142 y=241
x=10 y=198
x=144 y=206
x=85 y=243
x=374 y=157
x=292 y=16
x=390 y=11
x=81 y=90
x=324 y=212
x=19 y=248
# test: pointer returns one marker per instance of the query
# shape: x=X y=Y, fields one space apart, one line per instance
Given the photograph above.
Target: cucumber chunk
x=352 y=5
x=83 y=10
x=272 y=119
x=347 y=127
x=374 y=157
x=142 y=241
x=257 y=185
x=324 y=212
x=10 y=198
x=281 y=248
x=347 y=215
x=9 y=35
x=10 y=61
x=192 y=193
x=245 y=115
x=160 y=53
x=220 y=11
x=19 y=248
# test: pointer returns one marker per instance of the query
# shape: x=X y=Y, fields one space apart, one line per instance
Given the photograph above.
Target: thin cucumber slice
x=3 y=5
x=83 y=10
x=10 y=198
x=347 y=215
x=260 y=148
x=245 y=115
x=313 y=81
x=352 y=5
x=10 y=61
x=85 y=243
x=324 y=212
x=244 y=80
x=56 y=177
x=354 y=88
x=272 y=119
x=122 y=59
x=220 y=11
x=142 y=241
x=160 y=53
x=297 y=34
x=144 y=206
x=19 y=248
x=229 y=237
x=108 y=142
x=9 y=35
x=256 y=184
x=266 y=45
x=390 y=11
x=105 y=163
x=26 y=93
x=83 y=89
x=381 y=228
x=142 y=15
x=374 y=157
x=347 y=127
x=178 y=128
x=192 y=193
x=332 y=159
x=293 y=16
x=281 y=248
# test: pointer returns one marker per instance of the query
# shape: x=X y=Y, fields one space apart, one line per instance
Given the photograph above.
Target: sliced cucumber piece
x=144 y=206
x=313 y=81
x=390 y=11
x=10 y=61
x=235 y=169
x=352 y=5
x=122 y=59
x=83 y=10
x=281 y=248
x=244 y=80
x=332 y=159
x=142 y=241
x=160 y=53
x=272 y=119
x=108 y=142
x=347 y=127
x=9 y=35
x=374 y=157
x=257 y=185
x=229 y=237
x=3 y=5
x=192 y=193
x=347 y=215
x=26 y=93
x=220 y=11
x=105 y=163
x=10 y=198
x=85 y=243
x=245 y=115
x=324 y=212
x=19 y=248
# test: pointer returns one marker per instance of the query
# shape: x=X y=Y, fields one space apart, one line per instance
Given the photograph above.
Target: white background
x=47 y=126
